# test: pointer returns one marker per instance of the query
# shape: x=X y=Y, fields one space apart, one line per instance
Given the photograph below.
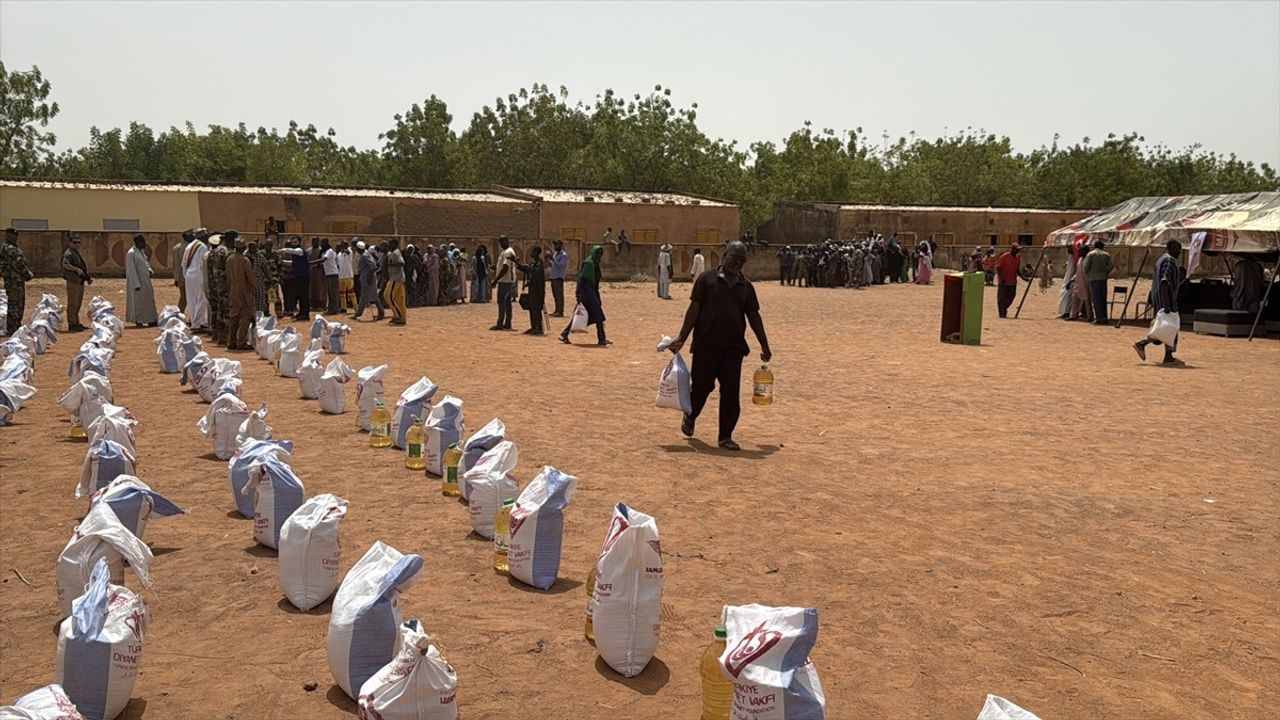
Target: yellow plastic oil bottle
x=589 y=630
x=449 y=483
x=77 y=430
x=414 y=438
x=380 y=426
x=762 y=391
x=717 y=691
x=276 y=361
x=502 y=536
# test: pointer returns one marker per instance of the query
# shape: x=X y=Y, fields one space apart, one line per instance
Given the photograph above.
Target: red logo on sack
x=619 y=526
x=656 y=545
x=518 y=516
x=751 y=646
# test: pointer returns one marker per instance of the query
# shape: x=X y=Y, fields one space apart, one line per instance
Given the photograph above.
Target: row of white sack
x=18 y=355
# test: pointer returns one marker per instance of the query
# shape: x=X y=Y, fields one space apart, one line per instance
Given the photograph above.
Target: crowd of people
x=857 y=264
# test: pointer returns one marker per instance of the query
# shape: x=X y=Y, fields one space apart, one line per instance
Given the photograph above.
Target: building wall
x=956 y=227
x=85 y=209
x=337 y=215
x=675 y=224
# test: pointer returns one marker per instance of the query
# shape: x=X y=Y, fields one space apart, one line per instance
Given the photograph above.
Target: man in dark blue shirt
x=722 y=305
x=1164 y=298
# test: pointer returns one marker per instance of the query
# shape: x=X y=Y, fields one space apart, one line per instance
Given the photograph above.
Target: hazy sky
x=1178 y=73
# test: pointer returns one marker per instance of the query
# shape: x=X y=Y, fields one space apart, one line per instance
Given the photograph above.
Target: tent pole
x=1133 y=287
x=1027 y=289
x=1262 y=307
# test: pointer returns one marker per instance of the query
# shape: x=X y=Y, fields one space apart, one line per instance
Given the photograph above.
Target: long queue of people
x=857 y=264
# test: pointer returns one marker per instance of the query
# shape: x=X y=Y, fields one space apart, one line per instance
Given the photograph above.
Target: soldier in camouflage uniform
x=16 y=273
x=216 y=278
x=268 y=253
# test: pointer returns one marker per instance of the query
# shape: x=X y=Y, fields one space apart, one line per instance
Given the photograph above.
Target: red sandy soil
x=1029 y=518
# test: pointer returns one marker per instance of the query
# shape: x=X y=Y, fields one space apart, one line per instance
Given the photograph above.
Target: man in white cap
x=368 y=270
x=664 y=272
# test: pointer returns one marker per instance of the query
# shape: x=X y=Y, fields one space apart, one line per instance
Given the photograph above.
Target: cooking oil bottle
x=502 y=536
x=77 y=430
x=717 y=691
x=589 y=630
x=276 y=361
x=413 y=440
x=762 y=381
x=380 y=426
x=449 y=483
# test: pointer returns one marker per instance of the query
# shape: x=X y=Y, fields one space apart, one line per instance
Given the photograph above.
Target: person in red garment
x=1007 y=279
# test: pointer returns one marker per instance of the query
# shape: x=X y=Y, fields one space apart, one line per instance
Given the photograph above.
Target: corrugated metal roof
x=462 y=195
x=626 y=197
x=954 y=209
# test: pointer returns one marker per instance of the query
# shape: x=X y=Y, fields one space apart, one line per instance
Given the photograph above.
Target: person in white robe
x=193 y=271
x=1068 y=285
x=140 y=302
x=664 y=272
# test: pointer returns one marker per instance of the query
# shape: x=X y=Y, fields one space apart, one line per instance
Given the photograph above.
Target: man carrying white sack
x=722 y=304
x=1164 y=298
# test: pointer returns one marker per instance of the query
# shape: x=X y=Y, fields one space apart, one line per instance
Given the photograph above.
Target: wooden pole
x=1262 y=307
x=1128 y=297
x=1027 y=289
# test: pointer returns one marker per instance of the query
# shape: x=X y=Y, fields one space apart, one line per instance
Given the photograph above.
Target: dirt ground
x=1042 y=517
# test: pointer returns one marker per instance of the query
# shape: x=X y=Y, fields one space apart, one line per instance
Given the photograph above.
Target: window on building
x=993 y=239
x=342 y=227
x=1026 y=240
x=944 y=238
x=29 y=224
x=991 y=221
x=645 y=237
x=570 y=234
x=120 y=225
x=907 y=239
x=707 y=237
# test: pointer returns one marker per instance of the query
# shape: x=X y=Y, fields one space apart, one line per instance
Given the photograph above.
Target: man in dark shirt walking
x=722 y=305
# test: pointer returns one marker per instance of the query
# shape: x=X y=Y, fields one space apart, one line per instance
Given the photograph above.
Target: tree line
x=535 y=137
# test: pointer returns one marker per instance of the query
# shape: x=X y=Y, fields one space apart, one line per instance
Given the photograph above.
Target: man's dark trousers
x=709 y=367
x=557 y=292
x=1005 y=295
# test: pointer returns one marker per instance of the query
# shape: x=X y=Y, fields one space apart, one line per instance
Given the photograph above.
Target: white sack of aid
x=673 y=384
x=221 y=423
x=766 y=657
x=444 y=427
x=366 y=614
x=419 y=684
x=537 y=528
x=368 y=392
x=249 y=453
x=626 y=602
x=477 y=445
x=134 y=502
x=490 y=482
x=47 y=703
x=100 y=646
x=277 y=493
x=310 y=374
x=409 y=406
x=333 y=384
x=310 y=551
x=99 y=535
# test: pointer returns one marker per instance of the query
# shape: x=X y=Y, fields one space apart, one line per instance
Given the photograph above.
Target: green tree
x=24 y=113
x=421 y=150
